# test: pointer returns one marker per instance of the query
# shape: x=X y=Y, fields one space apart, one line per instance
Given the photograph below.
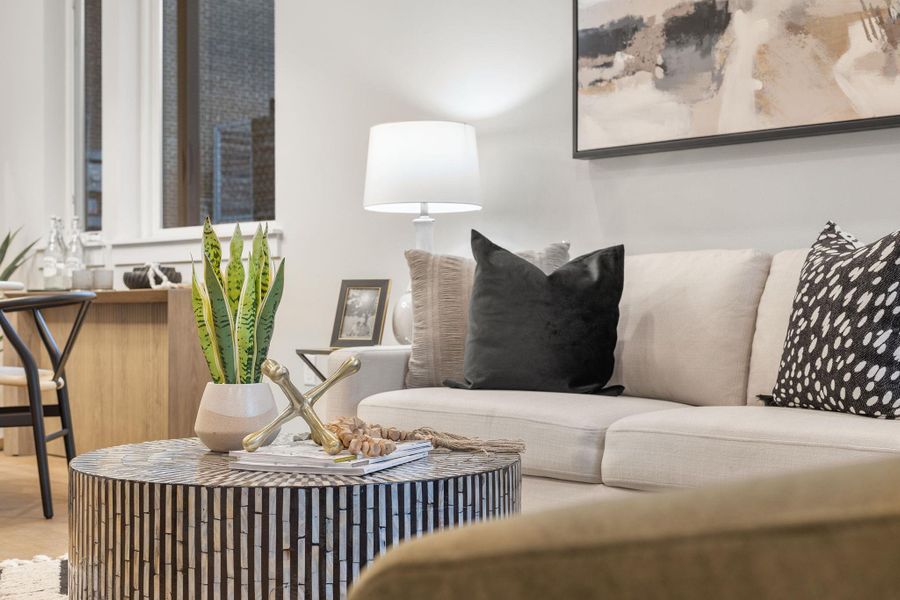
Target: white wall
x=503 y=65
x=33 y=167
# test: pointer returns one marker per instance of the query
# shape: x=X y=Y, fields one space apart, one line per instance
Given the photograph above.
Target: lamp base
x=402 y=318
x=424 y=225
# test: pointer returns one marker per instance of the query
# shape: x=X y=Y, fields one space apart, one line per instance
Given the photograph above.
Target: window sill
x=193 y=234
x=179 y=245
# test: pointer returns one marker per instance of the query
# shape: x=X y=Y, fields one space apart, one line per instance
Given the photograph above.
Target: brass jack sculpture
x=301 y=406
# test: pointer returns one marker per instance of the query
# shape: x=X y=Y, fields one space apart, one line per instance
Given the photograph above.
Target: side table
x=305 y=353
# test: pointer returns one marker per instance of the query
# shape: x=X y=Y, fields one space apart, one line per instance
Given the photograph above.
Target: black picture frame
x=372 y=331
x=725 y=139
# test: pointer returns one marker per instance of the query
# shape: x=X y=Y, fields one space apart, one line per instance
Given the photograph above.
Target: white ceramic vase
x=402 y=321
x=230 y=411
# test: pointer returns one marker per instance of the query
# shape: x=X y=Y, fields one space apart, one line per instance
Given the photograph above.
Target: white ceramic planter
x=229 y=411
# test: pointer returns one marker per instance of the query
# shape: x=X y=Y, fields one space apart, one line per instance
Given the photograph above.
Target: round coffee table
x=169 y=519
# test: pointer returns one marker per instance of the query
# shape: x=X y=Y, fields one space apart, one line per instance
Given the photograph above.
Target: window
x=218 y=111
x=89 y=166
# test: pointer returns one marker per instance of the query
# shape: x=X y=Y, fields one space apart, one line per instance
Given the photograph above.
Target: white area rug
x=42 y=578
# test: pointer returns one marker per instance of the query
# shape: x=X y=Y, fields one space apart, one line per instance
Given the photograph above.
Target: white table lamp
x=424 y=168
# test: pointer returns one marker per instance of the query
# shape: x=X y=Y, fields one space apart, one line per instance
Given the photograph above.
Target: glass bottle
x=61 y=242
x=59 y=235
x=74 y=249
x=52 y=261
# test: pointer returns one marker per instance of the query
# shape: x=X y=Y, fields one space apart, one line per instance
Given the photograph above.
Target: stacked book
x=309 y=458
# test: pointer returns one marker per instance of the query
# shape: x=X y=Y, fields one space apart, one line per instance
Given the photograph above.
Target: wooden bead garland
x=363 y=439
x=368 y=440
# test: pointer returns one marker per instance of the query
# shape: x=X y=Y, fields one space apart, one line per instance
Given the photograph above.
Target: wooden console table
x=136 y=373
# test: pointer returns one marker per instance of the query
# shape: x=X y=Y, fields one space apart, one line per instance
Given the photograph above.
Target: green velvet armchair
x=825 y=534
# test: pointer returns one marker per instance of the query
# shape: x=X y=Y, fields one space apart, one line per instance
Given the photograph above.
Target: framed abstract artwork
x=655 y=75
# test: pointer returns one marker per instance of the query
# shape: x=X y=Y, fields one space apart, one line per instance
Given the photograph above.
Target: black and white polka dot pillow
x=842 y=350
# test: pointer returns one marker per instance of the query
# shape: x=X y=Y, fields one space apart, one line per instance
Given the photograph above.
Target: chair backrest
x=35 y=304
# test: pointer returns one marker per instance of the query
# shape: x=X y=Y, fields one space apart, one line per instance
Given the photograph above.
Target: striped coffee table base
x=169 y=520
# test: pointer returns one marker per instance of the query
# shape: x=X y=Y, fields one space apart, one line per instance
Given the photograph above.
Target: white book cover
x=308 y=453
x=333 y=469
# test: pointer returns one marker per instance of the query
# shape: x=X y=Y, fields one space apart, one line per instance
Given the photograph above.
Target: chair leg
x=40 y=445
x=65 y=418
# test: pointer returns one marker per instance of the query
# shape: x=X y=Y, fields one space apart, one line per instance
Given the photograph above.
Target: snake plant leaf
x=213 y=249
x=207 y=345
x=221 y=321
x=265 y=271
x=257 y=252
x=245 y=320
x=265 y=321
x=17 y=262
x=235 y=270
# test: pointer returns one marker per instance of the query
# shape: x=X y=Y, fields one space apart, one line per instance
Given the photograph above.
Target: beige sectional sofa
x=700 y=336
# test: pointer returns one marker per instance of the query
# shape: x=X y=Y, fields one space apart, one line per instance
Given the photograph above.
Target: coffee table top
x=188 y=462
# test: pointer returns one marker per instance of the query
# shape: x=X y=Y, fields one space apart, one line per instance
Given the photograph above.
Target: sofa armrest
x=382 y=369
x=824 y=534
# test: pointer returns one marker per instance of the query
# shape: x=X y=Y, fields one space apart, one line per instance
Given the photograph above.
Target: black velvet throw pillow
x=842 y=346
x=531 y=331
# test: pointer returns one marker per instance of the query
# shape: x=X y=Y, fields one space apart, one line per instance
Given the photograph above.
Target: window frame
x=76 y=63
x=132 y=218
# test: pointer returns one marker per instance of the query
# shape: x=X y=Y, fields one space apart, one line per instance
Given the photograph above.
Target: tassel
x=452 y=441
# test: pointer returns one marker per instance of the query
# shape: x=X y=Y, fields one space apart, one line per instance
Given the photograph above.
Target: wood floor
x=24 y=532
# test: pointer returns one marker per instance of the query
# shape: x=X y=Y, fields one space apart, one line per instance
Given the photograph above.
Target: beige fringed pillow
x=441 y=287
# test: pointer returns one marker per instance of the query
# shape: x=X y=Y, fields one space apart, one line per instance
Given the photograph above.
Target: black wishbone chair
x=36 y=380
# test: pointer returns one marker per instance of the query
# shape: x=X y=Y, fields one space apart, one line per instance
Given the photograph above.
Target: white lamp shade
x=416 y=162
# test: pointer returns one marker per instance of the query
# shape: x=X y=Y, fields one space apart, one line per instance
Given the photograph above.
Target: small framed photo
x=361 y=309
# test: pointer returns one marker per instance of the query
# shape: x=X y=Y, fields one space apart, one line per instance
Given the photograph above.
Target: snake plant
x=18 y=260
x=235 y=309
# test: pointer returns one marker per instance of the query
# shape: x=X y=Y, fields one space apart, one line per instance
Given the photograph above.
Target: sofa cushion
x=686 y=324
x=441 y=287
x=563 y=433
x=772 y=322
x=538 y=332
x=842 y=345
x=691 y=447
